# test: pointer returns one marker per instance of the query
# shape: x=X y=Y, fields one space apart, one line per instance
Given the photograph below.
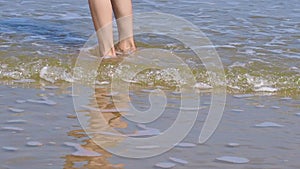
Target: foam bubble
x=240 y=96
x=286 y=98
x=268 y=124
x=44 y=101
x=12 y=128
x=165 y=165
x=233 y=145
x=16 y=121
x=202 y=86
x=178 y=160
x=15 y=110
x=237 y=110
x=185 y=145
x=53 y=74
x=232 y=159
x=20 y=101
x=81 y=151
x=147 y=132
x=148 y=147
x=34 y=144
x=102 y=83
x=8 y=148
x=260 y=106
x=24 y=81
x=266 y=89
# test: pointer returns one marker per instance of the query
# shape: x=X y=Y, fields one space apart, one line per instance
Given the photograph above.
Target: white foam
x=24 y=81
x=86 y=153
x=266 y=89
x=90 y=108
x=52 y=143
x=4 y=46
x=147 y=132
x=70 y=144
x=34 y=144
x=45 y=101
x=142 y=126
x=237 y=110
x=294 y=68
x=165 y=165
x=202 y=86
x=176 y=93
x=81 y=151
x=111 y=94
x=177 y=160
x=113 y=110
x=130 y=81
x=148 y=147
x=119 y=110
x=260 y=106
x=20 y=101
x=15 y=110
x=53 y=74
x=51 y=87
x=192 y=108
x=232 y=159
x=237 y=64
x=268 y=124
x=102 y=83
x=7 y=148
x=16 y=121
x=12 y=128
x=233 y=145
x=150 y=91
x=185 y=145
x=109 y=133
x=240 y=96
x=249 y=52
x=286 y=98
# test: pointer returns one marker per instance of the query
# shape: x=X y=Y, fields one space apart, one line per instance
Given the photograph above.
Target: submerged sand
x=39 y=129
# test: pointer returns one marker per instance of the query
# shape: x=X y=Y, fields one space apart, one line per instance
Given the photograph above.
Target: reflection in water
x=113 y=119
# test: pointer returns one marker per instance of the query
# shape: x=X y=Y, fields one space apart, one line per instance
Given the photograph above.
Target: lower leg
x=123 y=13
x=101 y=11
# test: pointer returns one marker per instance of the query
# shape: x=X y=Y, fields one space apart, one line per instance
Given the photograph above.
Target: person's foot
x=110 y=54
x=125 y=47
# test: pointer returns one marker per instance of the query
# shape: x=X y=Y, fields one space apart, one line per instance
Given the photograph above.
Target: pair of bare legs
x=102 y=14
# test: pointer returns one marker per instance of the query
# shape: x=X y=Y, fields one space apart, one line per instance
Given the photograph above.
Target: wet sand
x=39 y=129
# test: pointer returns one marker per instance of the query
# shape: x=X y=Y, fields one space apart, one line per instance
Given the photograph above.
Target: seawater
x=258 y=41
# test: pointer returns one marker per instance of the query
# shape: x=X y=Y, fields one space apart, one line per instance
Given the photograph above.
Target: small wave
x=241 y=77
x=54 y=74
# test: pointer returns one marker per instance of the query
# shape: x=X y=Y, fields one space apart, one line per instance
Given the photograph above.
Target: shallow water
x=258 y=42
x=53 y=138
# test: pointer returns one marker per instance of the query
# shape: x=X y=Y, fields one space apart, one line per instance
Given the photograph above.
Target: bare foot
x=125 y=47
x=110 y=54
